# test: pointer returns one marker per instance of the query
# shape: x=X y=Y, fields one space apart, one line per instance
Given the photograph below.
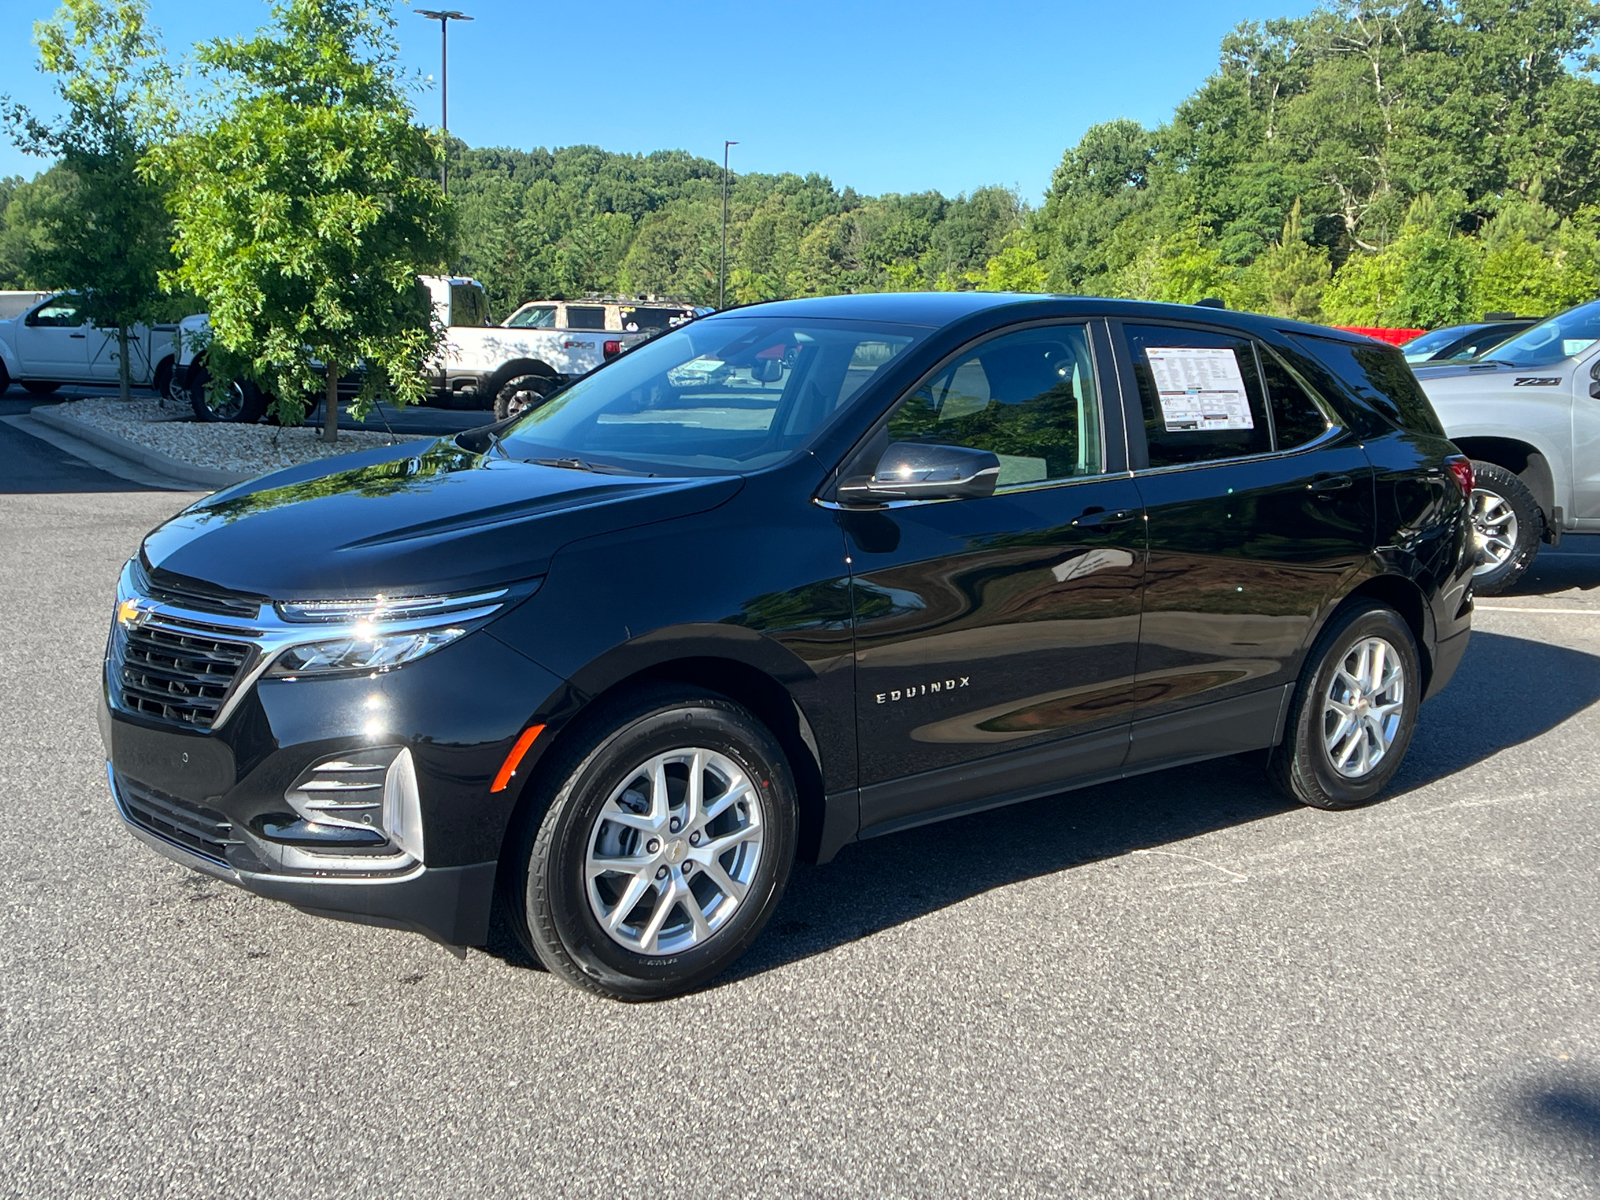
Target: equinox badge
x=923 y=689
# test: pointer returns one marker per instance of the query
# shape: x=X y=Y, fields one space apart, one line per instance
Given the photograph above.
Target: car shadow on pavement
x=884 y=882
x=1575 y=566
x=1562 y=1110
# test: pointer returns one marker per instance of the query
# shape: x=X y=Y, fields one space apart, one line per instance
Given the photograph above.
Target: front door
x=996 y=638
x=1260 y=506
x=1586 y=446
x=52 y=342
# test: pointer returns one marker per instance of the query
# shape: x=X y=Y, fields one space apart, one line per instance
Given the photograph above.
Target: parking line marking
x=1580 y=612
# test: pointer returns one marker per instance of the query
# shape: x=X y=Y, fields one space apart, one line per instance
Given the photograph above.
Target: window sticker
x=1200 y=388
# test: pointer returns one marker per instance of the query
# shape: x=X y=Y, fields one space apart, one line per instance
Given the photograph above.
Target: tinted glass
x=1559 y=338
x=725 y=394
x=1028 y=397
x=1379 y=376
x=469 y=307
x=1296 y=416
x=1201 y=393
x=533 y=316
x=586 y=316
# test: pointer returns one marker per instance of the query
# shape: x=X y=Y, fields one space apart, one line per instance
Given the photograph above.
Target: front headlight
x=379 y=633
x=372 y=652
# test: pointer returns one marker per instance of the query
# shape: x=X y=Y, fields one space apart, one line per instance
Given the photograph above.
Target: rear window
x=1380 y=377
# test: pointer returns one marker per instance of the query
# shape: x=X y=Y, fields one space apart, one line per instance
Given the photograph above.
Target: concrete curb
x=208 y=477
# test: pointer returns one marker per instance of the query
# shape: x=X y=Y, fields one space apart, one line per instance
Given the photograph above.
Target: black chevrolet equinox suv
x=786 y=577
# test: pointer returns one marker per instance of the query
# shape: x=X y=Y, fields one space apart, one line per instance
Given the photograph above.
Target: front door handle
x=1099 y=518
x=1328 y=484
x=76 y=335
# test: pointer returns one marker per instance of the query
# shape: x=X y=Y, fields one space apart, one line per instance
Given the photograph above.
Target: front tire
x=1507 y=525
x=40 y=387
x=1354 y=711
x=661 y=853
x=243 y=403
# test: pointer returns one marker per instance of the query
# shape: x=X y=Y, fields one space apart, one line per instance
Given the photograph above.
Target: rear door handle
x=1099 y=518
x=1328 y=484
x=76 y=335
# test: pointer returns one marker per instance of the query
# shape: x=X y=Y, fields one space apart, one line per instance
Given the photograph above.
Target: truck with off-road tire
x=507 y=368
x=1527 y=413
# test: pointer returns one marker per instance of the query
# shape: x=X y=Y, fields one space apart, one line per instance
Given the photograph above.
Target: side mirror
x=1594 y=380
x=918 y=471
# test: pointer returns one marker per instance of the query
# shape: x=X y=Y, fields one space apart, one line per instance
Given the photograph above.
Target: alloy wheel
x=1364 y=706
x=1494 y=528
x=673 y=851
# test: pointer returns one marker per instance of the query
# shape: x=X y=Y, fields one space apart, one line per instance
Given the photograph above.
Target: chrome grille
x=175 y=671
x=207 y=833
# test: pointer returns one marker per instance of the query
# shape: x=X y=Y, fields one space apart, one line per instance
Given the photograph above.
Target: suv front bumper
x=448 y=904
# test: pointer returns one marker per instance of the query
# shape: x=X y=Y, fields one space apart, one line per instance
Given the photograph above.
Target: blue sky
x=887 y=96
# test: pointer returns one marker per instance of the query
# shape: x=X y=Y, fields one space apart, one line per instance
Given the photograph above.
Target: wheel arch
x=1406 y=598
x=756 y=687
x=518 y=366
x=1523 y=459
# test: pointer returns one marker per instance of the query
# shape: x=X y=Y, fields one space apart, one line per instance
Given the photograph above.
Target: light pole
x=722 y=270
x=444 y=16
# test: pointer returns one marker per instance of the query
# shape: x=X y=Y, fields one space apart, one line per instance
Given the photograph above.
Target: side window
x=1201 y=392
x=60 y=313
x=1296 y=416
x=1028 y=397
x=1379 y=376
x=586 y=316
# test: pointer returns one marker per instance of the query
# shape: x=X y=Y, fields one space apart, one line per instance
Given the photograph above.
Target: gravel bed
x=163 y=426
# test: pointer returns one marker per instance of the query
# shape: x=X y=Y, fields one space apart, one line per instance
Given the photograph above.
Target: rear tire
x=161 y=381
x=521 y=394
x=5 y=379
x=39 y=387
x=690 y=886
x=1354 y=710
x=1507 y=524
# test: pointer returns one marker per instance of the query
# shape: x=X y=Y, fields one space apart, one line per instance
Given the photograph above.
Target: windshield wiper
x=577 y=464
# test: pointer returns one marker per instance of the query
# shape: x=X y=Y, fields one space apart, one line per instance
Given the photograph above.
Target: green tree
x=308 y=208
x=1289 y=279
x=99 y=227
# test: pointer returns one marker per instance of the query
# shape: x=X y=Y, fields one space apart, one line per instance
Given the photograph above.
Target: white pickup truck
x=51 y=343
x=1528 y=415
x=480 y=365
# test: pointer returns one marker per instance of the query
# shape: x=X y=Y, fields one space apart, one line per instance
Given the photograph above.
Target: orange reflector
x=514 y=759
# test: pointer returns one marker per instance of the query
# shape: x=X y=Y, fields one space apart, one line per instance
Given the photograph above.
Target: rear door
x=996 y=637
x=1259 y=507
x=53 y=341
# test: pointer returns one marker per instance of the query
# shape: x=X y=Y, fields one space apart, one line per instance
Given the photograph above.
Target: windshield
x=533 y=316
x=1559 y=338
x=734 y=393
x=1424 y=347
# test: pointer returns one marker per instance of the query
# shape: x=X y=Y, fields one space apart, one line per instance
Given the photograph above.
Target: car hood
x=402 y=522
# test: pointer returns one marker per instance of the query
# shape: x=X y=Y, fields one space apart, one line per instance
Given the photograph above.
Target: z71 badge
x=1536 y=381
x=924 y=689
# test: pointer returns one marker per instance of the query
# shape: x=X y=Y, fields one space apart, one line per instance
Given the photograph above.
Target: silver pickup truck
x=51 y=343
x=1528 y=415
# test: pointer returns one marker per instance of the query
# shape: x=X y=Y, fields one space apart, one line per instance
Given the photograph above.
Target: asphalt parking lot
x=1173 y=986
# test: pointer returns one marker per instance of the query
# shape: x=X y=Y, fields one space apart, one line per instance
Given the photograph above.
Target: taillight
x=1460 y=467
x=612 y=349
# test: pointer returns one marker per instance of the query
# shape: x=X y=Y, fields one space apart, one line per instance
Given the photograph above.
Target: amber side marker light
x=514 y=759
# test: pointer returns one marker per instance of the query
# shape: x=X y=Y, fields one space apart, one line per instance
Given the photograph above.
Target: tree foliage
x=93 y=224
x=305 y=208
